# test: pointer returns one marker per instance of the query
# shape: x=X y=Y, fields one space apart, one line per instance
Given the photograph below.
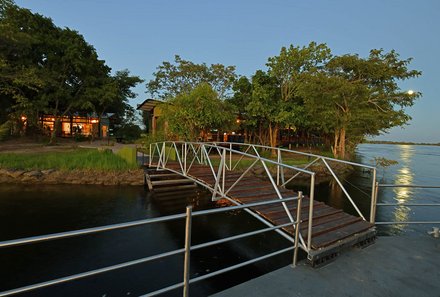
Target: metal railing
x=186 y=250
x=405 y=204
x=227 y=156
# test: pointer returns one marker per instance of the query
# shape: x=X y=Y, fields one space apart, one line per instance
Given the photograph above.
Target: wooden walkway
x=331 y=227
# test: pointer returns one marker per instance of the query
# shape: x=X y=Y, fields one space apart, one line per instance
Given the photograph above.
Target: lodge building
x=76 y=125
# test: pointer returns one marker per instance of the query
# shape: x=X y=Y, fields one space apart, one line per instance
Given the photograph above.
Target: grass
x=68 y=160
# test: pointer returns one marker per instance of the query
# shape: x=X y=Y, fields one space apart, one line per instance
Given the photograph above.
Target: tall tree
x=352 y=97
x=75 y=71
x=20 y=74
x=286 y=69
x=115 y=93
x=192 y=115
x=266 y=105
x=172 y=79
x=51 y=69
x=242 y=88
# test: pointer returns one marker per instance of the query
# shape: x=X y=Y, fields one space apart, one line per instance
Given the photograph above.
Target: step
x=339 y=234
x=154 y=176
x=171 y=182
x=174 y=188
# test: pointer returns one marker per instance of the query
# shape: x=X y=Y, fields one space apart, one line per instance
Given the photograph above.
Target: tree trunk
x=339 y=143
x=273 y=138
x=342 y=143
x=53 y=135
x=336 y=144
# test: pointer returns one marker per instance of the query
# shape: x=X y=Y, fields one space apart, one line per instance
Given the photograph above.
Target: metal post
x=150 y=157
x=202 y=157
x=185 y=146
x=278 y=166
x=230 y=157
x=312 y=194
x=224 y=167
x=373 y=200
x=182 y=157
x=297 y=226
x=186 y=267
x=163 y=155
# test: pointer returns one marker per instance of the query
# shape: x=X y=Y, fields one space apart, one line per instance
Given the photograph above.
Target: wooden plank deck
x=329 y=226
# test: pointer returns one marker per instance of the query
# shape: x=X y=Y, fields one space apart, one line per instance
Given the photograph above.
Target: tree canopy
x=351 y=97
x=44 y=68
x=172 y=79
x=343 y=98
x=193 y=114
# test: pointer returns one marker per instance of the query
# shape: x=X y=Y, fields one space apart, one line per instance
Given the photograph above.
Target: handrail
x=300 y=153
x=408 y=186
x=88 y=273
x=408 y=223
x=219 y=176
x=242 y=153
x=187 y=249
x=407 y=204
x=324 y=159
x=221 y=149
x=33 y=239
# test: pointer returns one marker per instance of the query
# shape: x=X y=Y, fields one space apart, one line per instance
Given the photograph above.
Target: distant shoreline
x=399 y=142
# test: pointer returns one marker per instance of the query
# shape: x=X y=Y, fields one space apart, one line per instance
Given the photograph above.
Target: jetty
x=226 y=170
x=403 y=266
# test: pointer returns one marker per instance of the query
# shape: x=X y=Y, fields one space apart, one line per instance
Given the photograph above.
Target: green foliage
x=343 y=98
x=383 y=162
x=20 y=76
x=170 y=153
x=128 y=154
x=353 y=97
x=173 y=79
x=5 y=131
x=114 y=95
x=270 y=102
x=44 y=68
x=129 y=132
x=146 y=139
x=292 y=61
x=191 y=114
x=69 y=160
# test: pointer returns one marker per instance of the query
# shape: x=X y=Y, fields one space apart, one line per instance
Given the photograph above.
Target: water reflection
x=406 y=153
x=336 y=194
x=417 y=165
x=404 y=176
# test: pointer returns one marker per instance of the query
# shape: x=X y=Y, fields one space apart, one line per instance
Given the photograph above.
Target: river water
x=417 y=165
x=36 y=210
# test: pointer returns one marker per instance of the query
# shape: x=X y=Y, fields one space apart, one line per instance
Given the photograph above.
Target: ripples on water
x=418 y=165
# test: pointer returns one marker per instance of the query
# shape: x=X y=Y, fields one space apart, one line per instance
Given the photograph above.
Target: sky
x=140 y=34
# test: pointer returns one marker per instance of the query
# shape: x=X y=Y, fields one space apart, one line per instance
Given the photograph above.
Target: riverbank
x=132 y=177
x=23 y=162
